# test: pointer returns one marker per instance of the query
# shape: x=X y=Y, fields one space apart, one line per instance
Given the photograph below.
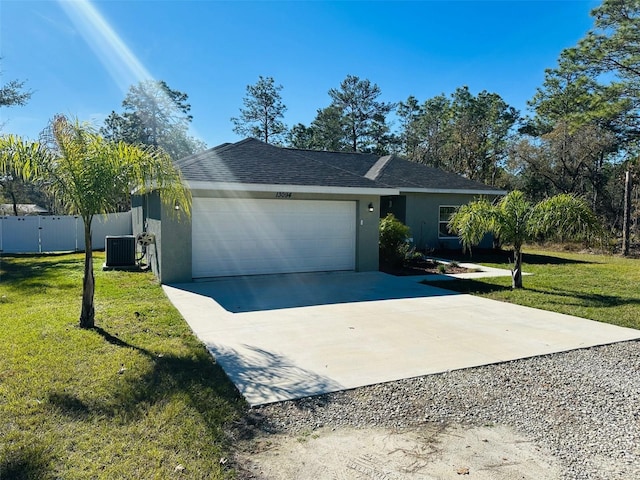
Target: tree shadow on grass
x=113 y=340
x=569 y=297
x=535 y=259
x=195 y=377
x=560 y=300
x=69 y=404
x=26 y=463
x=207 y=386
x=468 y=286
x=36 y=272
x=582 y=299
x=504 y=257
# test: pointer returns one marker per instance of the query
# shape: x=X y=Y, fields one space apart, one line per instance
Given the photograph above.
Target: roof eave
x=256 y=187
x=463 y=191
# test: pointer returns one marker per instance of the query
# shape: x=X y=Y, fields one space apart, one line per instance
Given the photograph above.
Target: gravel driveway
x=581 y=407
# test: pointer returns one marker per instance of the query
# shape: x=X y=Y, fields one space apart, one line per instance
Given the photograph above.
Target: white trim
x=448 y=237
x=252 y=187
x=452 y=190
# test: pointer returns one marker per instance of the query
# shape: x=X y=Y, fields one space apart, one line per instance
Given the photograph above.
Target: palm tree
x=515 y=221
x=88 y=176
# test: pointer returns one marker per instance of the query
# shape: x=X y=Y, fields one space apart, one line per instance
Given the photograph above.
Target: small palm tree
x=89 y=176
x=515 y=221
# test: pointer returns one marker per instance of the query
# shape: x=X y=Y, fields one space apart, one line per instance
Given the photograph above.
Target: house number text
x=284 y=194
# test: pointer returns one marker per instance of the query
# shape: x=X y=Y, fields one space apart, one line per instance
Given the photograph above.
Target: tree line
x=154 y=116
x=580 y=135
x=580 y=140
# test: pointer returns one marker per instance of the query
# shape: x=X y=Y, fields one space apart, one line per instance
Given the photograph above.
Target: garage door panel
x=248 y=236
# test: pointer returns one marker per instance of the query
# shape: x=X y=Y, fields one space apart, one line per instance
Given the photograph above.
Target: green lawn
x=134 y=398
x=599 y=287
x=139 y=396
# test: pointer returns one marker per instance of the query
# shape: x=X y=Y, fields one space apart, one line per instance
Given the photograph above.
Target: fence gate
x=38 y=234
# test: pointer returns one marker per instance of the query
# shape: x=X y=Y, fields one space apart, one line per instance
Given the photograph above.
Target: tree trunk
x=516 y=273
x=87 y=315
x=626 y=223
x=265 y=125
x=354 y=137
x=14 y=203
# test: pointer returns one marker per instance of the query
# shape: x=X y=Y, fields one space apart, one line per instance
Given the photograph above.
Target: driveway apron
x=282 y=337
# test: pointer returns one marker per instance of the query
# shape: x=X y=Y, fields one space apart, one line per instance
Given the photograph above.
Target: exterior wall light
x=370 y=207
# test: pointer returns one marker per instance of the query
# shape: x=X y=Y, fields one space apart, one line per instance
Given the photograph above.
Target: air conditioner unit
x=120 y=251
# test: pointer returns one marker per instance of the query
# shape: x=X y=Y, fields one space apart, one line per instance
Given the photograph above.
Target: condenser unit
x=120 y=251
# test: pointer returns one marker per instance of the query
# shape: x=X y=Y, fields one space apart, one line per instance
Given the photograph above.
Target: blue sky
x=79 y=58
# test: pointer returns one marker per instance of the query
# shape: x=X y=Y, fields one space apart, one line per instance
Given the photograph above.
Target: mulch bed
x=421 y=266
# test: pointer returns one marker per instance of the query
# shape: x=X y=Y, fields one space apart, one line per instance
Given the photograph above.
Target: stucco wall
x=367 y=234
x=137 y=214
x=171 y=257
x=422 y=216
x=396 y=205
x=175 y=261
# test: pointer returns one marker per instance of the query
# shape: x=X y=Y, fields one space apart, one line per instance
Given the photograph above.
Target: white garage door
x=251 y=236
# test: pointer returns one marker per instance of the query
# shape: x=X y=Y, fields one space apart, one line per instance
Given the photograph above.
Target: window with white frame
x=446 y=211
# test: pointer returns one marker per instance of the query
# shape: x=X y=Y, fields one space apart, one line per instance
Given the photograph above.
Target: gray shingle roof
x=358 y=163
x=251 y=161
x=406 y=175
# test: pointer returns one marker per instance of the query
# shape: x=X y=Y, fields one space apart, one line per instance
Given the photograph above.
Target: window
x=445 y=214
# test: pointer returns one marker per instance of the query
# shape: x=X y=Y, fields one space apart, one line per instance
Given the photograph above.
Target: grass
x=134 y=398
x=599 y=287
x=138 y=396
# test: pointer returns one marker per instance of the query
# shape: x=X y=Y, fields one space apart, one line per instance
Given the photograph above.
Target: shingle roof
x=358 y=163
x=251 y=161
x=406 y=175
x=23 y=209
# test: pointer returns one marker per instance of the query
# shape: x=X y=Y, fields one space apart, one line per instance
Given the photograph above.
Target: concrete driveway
x=289 y=336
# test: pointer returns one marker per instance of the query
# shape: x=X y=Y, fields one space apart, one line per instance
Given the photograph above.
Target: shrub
x=394 y=240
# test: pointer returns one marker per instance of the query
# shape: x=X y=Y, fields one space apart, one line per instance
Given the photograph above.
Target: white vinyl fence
x=38 y=234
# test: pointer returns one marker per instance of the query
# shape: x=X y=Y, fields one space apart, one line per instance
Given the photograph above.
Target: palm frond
x=471 y=222
x=564 y=217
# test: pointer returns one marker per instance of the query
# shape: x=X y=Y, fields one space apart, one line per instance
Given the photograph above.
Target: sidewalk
x=476 y=271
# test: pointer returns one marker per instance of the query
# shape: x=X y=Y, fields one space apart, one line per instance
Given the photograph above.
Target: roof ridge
x=378 y=167
x=334 y=167
x=326 y=151
x=411 y=180
x=188 y=159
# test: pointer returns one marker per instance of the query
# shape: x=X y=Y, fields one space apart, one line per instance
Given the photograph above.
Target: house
x=263 y=209
x=23 y=209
